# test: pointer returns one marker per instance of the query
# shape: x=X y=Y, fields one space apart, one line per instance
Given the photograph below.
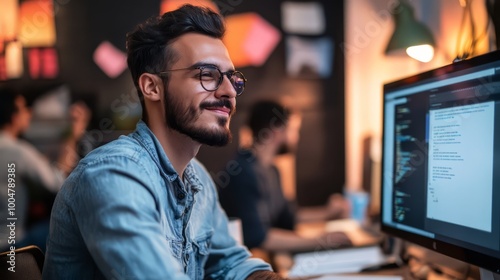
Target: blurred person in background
x=28 y=179
x=253 y=192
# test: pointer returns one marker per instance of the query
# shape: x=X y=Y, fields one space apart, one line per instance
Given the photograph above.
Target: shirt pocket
x=176 y=248
x=202 y=250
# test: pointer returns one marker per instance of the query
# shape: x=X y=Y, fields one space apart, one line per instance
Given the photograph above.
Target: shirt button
x=181 y=196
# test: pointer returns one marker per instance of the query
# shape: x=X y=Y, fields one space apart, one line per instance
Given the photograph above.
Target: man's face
x=189 y=108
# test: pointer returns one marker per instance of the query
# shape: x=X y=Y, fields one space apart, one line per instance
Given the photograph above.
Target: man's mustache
x=220 y=103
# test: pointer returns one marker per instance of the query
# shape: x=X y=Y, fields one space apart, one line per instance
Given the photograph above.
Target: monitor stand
x=488 y=275
x=394 y=249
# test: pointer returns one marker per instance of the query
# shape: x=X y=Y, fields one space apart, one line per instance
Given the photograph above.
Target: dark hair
x=8 y=106
x=148 y=49
x=266 y=115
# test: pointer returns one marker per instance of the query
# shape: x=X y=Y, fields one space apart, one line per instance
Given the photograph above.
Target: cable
x=466 y=48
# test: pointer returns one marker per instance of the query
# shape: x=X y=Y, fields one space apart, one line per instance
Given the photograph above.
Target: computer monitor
x=441 y=161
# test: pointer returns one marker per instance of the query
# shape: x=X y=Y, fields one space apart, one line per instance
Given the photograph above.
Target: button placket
x=181 y=196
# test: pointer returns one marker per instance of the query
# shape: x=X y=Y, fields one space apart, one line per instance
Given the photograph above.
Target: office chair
x=28 y=264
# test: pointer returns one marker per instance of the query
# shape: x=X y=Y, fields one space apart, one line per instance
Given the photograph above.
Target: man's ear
x=151 y=86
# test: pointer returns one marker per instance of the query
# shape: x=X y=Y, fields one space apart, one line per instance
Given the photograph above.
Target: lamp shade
x=410 y=35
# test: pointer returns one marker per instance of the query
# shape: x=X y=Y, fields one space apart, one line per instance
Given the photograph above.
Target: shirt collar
x=192 y=177
x=149 y=141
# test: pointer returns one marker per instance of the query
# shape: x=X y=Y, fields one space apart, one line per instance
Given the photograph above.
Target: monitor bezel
x=476 y=258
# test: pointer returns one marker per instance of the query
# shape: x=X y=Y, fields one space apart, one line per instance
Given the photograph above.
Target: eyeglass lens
x=211 y=78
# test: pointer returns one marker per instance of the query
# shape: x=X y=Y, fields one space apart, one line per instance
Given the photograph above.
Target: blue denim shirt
x=124 y=213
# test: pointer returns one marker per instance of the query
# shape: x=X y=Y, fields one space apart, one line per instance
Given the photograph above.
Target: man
x=253 y=192
x=28 y=174
x=142 y=207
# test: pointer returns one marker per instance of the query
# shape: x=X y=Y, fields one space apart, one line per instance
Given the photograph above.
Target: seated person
x=35 y=179
x=142 y=206
x=253 y=192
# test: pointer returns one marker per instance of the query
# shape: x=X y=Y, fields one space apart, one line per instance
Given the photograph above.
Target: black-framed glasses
x=211 y=77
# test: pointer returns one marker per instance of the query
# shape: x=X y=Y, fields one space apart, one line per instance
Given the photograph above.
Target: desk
x=363 y=237
x=404 y=273
x=360 y=237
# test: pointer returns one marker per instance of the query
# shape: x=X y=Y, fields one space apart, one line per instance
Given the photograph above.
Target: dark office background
x=82 y=25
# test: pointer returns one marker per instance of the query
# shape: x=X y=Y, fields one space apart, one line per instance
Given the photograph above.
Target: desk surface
x=360 y=236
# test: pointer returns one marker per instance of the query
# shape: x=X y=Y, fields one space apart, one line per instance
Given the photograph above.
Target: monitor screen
x=441 y=160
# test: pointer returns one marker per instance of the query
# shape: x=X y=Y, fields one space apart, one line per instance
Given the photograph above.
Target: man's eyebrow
x=201 y=64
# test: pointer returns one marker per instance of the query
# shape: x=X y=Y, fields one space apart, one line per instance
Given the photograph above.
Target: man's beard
x=183 y=120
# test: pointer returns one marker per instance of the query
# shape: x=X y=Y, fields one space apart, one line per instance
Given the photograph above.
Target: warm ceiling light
x=9 y=11
x=14 y=59
x=37 y=27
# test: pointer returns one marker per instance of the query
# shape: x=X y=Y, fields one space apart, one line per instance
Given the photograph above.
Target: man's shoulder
x=19 y=146
x=125 y=154
x=245 y=156
x=123 y=147
x=243 y=165
x=238 y=176
x=121 y=160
